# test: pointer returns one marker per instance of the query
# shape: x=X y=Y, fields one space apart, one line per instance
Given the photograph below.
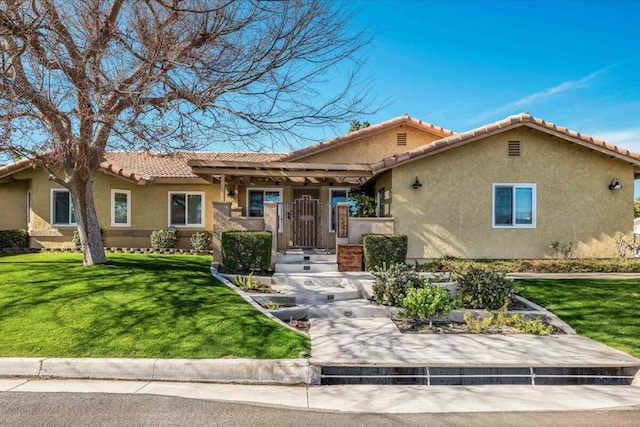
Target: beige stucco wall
x=372 y=148
x=13 y=205
x=452 y=213
x=149 y=211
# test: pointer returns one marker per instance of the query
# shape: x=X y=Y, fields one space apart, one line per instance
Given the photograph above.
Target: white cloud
x=515 y=106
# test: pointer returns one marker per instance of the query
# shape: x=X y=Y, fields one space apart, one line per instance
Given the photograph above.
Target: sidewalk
x=364 y=398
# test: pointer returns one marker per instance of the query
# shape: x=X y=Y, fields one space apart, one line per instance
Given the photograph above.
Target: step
x=315 y=289
x=306 y=267
x=471 y=375
x=302 y=257
x=357 y=308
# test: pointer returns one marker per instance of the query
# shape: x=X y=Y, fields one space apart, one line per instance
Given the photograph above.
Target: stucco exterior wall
x=149 y=211
x=13 y=205
x=372 y=148
x=452 y=213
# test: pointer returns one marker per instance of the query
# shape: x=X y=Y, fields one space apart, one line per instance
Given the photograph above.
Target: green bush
x=201 y=241
x=77 y=244
x=390 y=284
x=246 y=250
x=495 y=321
x=379 y=249
x=427 y=301
x=480 y=288
x=164 y=239
x=14 y=238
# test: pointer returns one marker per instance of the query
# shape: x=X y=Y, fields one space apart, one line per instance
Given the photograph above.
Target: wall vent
x=401 y=139
x=514 y=148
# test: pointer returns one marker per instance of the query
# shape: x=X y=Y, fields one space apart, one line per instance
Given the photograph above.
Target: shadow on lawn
x=139 y=306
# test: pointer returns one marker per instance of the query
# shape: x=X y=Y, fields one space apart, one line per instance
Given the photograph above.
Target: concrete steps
x=306 y=262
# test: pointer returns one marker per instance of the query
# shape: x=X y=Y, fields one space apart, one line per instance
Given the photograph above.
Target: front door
x=306 y=219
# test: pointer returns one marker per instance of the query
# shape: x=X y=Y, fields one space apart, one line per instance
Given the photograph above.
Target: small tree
x=636 y=208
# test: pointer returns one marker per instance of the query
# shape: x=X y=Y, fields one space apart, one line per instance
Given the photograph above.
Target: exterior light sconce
x=615 y=184
x=230 y=192
x=416 y=184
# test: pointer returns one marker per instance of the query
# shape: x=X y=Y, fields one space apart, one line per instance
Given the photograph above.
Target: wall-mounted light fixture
x=416 y=184
x=230 y=192
x=615 y=184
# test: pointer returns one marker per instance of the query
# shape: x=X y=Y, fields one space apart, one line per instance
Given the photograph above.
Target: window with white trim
x=186 y=209
x=380 y=202
x=514 y=205
x=62 y=208
x=120 y=208
x=28 y=207
x=256 y=198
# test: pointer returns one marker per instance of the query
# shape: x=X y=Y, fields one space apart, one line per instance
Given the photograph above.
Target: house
x=505 y=190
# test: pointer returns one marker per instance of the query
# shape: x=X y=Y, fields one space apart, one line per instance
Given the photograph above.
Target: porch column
x=271 y=224
x=221 y=215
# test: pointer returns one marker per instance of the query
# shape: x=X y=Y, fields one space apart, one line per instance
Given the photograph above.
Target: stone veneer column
x=271 y=224
x=221 y=215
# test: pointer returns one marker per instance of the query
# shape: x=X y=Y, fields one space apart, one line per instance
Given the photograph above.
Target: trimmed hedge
x=201 y=241
x=449 y=264
x=14 y=238
x=244 y=251
x=164 y=239
x=381 y=249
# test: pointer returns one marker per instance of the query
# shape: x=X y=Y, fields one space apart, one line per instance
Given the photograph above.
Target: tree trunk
x=87 y=219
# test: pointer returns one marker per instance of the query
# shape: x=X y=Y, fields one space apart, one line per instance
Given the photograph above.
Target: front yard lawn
x=164 y=306
x=607 y=311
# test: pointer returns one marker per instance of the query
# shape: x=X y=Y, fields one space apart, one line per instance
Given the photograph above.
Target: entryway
x=305 y=220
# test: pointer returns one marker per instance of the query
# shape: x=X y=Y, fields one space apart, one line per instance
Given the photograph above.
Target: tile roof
x=143 y=165
x=511 y=122
x=373 y=129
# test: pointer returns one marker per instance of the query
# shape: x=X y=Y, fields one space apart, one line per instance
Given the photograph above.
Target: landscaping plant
x=390 y=283
x=503 y=318
x=427 y=301
x=201 y=241
x=246 y=283
x=480 y=288
x=164 y=239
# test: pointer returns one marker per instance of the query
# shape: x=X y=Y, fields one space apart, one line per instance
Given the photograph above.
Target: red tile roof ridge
x=378 y=127
x=497 y=127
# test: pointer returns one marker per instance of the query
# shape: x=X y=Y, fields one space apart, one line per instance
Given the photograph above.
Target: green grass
x=607 y=311
x=165 y=306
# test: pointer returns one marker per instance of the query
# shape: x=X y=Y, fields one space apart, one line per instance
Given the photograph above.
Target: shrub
x=383 y=248
x=18 y=238
x=391 y=283
x=246 y=283
x=246 y=250
x=503 y=318
x=201 y=241
x=76 y=240
x=427 y=301
x=480 y=288
x=164 y=239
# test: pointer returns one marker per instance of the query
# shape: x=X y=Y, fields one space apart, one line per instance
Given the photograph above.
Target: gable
x=371 y=143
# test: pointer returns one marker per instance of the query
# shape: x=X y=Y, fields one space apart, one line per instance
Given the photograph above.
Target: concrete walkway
x=364 y=398
x=378 y=342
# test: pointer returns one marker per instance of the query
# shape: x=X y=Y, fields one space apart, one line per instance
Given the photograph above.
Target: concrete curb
x=238 y=371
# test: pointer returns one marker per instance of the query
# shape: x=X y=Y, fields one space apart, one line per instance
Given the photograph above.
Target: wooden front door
x=305 y=217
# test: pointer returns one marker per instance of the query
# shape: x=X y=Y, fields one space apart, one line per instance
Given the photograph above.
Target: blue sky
x=461 y=65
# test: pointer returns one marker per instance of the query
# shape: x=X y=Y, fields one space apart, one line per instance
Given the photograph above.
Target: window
x=62 y=208
x=380 y=202
x=514 y=205
x=28 y=207
x=120 y=208
x=255 y=202
x=186 y=209
x=338 y=195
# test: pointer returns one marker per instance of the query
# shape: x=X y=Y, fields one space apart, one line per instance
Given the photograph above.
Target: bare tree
x=79 y=77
